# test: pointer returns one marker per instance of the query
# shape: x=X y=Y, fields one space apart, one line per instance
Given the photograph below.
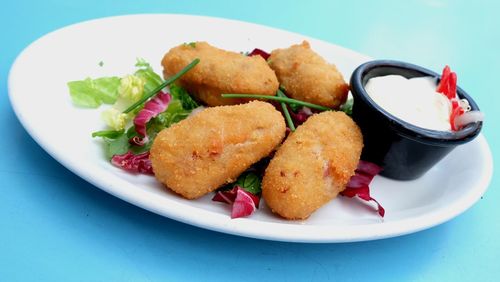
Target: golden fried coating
x=219 y=72
x=213 y=147
x=313 y=165
x=308 y=77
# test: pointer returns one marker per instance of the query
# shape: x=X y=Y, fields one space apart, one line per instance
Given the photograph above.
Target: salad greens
x=145 y=72
x=174 y=113
x=182 y=95
x=166 y=83
x=133 y=89
x=347 y=107
x=116 y=146
x=108 y=133
x=115 y=119
x=91 y=93
x=250 y=182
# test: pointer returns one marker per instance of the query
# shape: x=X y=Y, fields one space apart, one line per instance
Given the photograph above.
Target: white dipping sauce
x=413 y=100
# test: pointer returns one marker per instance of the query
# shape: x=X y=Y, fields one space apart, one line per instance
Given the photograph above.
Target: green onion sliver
x=288 y=118
x=279 y=99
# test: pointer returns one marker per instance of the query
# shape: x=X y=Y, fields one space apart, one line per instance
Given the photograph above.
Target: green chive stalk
x=166 y=83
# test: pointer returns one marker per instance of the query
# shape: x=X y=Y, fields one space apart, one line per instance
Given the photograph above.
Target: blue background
x=55 y=226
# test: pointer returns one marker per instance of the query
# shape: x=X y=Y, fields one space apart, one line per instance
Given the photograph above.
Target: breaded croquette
x=306 y=76
x=313 y=165
x=213 y=147
x=219 y=72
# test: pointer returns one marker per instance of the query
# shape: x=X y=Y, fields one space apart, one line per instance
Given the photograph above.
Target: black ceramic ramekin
x=405 y=151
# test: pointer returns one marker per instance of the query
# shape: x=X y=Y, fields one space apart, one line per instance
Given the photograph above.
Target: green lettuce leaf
x=182 y=95
x=92 y=93
x=113 y=134
x=347 y=106
x=147 y=73
x=116 y=142
x=173 y=114
x=116 y=146
x=250 y=182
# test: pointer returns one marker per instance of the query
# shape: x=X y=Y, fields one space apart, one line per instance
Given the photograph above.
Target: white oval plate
x=39 y=96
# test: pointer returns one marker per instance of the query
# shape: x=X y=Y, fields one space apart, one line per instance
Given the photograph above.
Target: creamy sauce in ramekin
x=413 y=100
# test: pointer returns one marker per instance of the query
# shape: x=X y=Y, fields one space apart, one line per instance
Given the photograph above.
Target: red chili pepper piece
x=452 y=84
x=448 y=83
x=448 y=86
x=443 y=83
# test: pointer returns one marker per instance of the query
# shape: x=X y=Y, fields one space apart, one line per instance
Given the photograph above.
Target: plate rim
x=239 y=226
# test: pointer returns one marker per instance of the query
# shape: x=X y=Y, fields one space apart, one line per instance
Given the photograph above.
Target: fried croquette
x=219 y=72
x=313 y=165
x=306 y=76
x=213 y=147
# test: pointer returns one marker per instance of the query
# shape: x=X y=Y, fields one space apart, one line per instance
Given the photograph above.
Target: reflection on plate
x=74 y=52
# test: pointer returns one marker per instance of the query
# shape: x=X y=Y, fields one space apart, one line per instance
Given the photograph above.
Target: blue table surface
x=54 y=226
